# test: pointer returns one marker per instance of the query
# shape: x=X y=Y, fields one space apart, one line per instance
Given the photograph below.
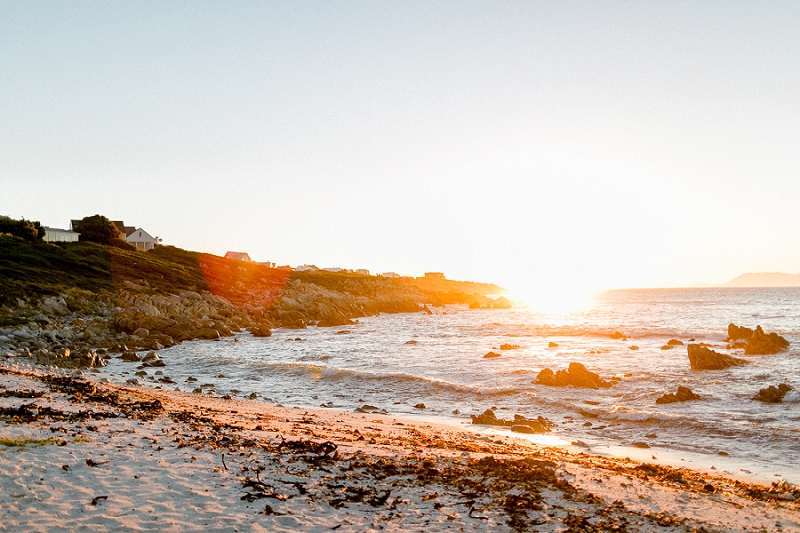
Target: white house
x=332 y=269
x=362 y=271
x=60 y=235
x=142 y=240
x=390 y=275
x=305 y=268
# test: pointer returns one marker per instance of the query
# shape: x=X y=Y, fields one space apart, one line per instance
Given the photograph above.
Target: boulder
x=684 y=394
x=761 y=343
x=552 y=344
x=773 y=394
x=739 y=332
x=674 y=342
x=142 y=333
x=260 y=331
x=130 y=357
x=475 y=305
x=576 y=376
x=509 y=346
x=151 y=356
x=491 y=355
x=702 y=358
x=205 y=334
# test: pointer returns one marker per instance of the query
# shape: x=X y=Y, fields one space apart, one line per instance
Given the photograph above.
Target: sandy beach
x=80 y=455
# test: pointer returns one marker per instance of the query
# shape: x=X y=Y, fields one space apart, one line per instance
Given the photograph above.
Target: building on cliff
x=239 y=256
x=434 y=275
x=60 y=235
x=142 y=240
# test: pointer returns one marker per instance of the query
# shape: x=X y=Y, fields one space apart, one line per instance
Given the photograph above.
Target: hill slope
x=764 y=279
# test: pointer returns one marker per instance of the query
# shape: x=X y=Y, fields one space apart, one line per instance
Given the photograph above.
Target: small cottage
x=142 y=240
x=239 y=256
x=60 y=235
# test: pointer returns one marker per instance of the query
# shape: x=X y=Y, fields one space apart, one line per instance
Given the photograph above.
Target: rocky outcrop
x=702 y=358
x=773 y=394
x=576 y=376
x=519 y=424
x=684 y=394
x=761 y=343
x=492 y=355
x=738 y=332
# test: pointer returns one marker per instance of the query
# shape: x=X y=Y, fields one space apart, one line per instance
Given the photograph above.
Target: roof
x=125 y=230
x=145 y=237
x=239 y=256
x=59 y=230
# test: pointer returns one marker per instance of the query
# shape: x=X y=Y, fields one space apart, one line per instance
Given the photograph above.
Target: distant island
x=764 y=279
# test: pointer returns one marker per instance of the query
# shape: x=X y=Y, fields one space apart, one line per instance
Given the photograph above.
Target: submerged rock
x=509 y=346
x=773 y=394
x=702 y=358
x=577 y=376
x=684 y=394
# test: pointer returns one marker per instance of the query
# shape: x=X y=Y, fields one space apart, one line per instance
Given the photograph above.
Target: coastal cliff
x=81 y=297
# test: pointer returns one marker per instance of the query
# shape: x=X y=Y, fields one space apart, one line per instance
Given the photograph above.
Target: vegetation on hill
x=45 y=269
x=24 y=229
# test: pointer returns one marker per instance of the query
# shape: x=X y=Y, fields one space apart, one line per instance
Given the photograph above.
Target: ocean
x=395 y=362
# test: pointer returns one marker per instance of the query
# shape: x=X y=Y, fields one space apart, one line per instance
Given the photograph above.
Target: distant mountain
x=764 y=279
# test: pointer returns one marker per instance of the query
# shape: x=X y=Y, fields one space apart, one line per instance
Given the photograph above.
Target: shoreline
x=315 y=469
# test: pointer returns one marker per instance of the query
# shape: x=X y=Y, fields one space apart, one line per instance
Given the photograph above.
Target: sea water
x=395 y=362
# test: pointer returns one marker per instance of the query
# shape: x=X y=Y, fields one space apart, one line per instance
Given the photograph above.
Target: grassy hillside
x=42 y=269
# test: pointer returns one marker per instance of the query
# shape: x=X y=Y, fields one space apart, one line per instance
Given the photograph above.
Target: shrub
x=97 y=229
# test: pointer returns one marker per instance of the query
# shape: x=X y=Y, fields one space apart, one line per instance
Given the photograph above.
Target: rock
x=617 y=335
x=633 y=347
x=205 y=334
x=576 y=376
x=475 y=305
x=539 y=425
x=684 y=394
x=739 y=332
x=674 y=342
x=509 y=346
x=702 y=358
x=491 y=355
x=552 y=344
x=260 y=331
x=411 y=342
x=760 y=343
x=426 y=310
x=641 y=444
x=667 y=347
x=151 y=356
x=419 y=406
x=130 y=357
x=773 y=394
x=142 y=333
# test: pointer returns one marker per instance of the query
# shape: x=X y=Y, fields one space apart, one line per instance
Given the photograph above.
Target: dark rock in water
x=552 y=344
x=576 y=376
x=760 y=343
x=366 y=408
x=475 y=305
x=491 y=355
x=617 y=335
x=739 y=332
x=419 y=406
x=667 y=347
x=675 y=342
x=633 y=347
x=130 y=357
x=773 y=394
x=684 y=394
x=641 y=444
x=524 y=425
x=426 y=310
x=260 y=331
x=151 y=356
x=701 y=358
x=411 y=342
x=509 y=346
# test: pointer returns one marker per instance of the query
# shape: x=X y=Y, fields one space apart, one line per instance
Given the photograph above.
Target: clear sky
x=533 y=144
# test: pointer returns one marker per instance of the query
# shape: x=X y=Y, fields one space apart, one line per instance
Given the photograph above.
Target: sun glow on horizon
x=557 y=299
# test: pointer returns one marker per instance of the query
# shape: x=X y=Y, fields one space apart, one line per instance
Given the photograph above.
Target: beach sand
x=80 y=455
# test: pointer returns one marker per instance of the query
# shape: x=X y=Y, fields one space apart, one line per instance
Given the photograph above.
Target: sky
x=544 y=146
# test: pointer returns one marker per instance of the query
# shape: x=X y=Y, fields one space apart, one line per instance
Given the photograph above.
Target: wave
x=333 y=374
